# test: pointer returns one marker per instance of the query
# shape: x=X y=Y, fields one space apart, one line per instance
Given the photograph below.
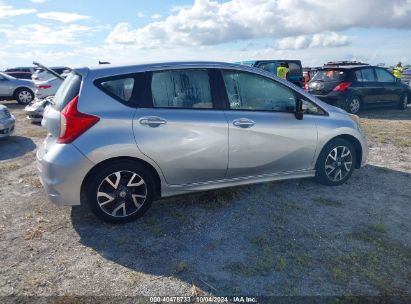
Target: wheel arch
x=355 y=142
x=22 y=88
x=146 y=165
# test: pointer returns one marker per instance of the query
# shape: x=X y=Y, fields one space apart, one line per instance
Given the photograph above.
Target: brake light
x=342 y=86
x=74 y=123
x=45 y=86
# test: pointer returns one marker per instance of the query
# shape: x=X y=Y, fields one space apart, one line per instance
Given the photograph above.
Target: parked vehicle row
x=38 y=73
x=125 y=136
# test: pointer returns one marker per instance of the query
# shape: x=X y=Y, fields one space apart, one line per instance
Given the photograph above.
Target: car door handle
x=152 y=121
x=243 y=123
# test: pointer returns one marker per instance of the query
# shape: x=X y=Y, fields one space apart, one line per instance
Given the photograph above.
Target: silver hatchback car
x=120 y=137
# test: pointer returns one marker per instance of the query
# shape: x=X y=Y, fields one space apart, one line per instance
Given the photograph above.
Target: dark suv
x=356 y=87
x=295 y=69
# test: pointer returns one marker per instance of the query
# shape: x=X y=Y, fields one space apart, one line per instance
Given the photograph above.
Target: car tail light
x=306 y=86
x=74 y=123
x=342 y=86
x=43 y=86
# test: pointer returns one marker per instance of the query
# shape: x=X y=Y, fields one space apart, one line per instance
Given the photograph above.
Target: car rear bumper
x=7 y=127
x=34 y=114
x=62 y=171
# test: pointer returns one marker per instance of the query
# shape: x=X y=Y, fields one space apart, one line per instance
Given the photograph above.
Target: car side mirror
x=300 y=108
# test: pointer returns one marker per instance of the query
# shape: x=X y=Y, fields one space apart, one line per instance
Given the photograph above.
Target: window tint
x=269 y=66
x=365 y=75
x=294 y=69
x=330 y=75
x=69 y=89
x=384 y=76
x=181 y=89
x=252 y=92
x=120 y=88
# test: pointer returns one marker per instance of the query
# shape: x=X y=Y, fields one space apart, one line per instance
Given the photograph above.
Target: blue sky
x=77 y=32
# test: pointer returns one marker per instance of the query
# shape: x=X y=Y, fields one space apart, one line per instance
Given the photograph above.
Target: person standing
x=398 y=70
x=282 y=70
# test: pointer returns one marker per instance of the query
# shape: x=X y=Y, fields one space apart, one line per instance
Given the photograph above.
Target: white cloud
x=62 y=17
x=140 y=15
x=209 y=22
x=156 y=16
x=327 y=39
x=10 y=11
x=38 y=35
x=38 y=1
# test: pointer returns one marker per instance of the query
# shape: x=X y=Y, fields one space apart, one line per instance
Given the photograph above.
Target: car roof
x=346 y=67
x=108 y=70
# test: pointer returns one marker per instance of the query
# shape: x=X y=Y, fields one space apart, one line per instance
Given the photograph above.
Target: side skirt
x=171 y=190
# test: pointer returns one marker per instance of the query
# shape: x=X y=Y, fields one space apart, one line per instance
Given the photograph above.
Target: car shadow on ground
x=15 y=146
x=282 y=238
x=12 y=105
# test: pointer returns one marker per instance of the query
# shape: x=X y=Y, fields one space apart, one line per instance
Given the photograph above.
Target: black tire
x=97 y=183
x=403 y=104
x=23 y=96
x=323 y=163
x=353 y=104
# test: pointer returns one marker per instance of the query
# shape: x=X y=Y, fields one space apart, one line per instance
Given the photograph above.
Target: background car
x=295 y=69
x=34 y=111
x=47 y=88
x=40 y=74
x=20 y=69
x=7 y=121
x=19 y=89
x=406 y=78
x=354 y=87
x=121 y=137
x=20 y=75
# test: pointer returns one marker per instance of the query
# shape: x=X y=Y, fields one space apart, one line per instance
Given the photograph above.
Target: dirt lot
x=283 y=238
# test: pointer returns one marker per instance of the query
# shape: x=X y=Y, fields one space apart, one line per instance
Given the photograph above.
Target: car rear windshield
x=69 y=89
x=330 y=75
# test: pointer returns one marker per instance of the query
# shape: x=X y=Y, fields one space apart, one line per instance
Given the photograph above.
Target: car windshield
x=329 y=75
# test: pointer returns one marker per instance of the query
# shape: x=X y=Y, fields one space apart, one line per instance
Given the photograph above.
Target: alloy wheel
x=338 y=163
x=25 y=97
x=354 y=105
x=121 y=194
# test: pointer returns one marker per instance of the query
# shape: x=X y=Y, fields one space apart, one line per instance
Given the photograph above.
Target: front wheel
x=24 y=96
x=403 y=104
x=336 y=162
x=120 y=192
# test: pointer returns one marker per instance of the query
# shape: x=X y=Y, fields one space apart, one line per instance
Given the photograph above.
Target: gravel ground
x=282 y=238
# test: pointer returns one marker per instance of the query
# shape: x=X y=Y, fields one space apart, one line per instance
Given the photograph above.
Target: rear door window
x=69 y=89
x=365 y=75
x=330 y=75
x=188 y=89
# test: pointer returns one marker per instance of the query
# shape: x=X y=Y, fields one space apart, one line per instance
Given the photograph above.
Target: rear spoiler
x=47 y=69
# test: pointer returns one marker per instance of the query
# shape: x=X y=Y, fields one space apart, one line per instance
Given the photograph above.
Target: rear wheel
x=120 y=192
x=336 y=162
x=24 y=96
x=403 y=104
x=353 y=105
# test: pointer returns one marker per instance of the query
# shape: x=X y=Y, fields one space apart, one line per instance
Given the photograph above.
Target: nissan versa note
x=121 y=137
